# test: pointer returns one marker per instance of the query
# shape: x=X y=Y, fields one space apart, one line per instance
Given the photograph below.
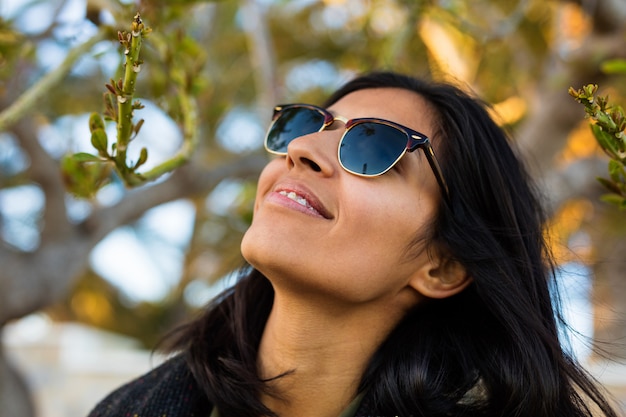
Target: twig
x=190 y=139
x=609 y=128
x=132 y=43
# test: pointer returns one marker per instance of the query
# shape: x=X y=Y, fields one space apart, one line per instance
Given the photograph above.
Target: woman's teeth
x=298 y=199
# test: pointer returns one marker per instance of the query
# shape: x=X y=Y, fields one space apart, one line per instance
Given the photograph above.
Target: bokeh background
x=88 y=286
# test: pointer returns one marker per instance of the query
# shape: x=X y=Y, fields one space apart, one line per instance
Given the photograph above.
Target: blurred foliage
x=202 y=55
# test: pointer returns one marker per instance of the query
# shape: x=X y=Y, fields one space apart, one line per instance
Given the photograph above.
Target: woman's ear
x=441 y=278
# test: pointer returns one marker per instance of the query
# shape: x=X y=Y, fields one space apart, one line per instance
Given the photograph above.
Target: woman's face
x=355 y=246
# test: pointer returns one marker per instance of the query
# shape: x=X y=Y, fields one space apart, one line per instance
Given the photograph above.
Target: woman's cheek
x=267 y=178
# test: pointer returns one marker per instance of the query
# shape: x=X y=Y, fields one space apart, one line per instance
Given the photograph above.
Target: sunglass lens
x=371 y=148
x=292 y=123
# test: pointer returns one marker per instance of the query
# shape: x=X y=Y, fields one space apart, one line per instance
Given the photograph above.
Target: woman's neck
x=322 y=353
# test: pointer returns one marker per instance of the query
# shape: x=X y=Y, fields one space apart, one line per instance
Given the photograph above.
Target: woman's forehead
x=395 y=104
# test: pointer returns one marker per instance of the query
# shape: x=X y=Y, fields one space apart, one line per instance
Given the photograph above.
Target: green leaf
x=614 y=199
x=86 y=157
x=143 y=157
x=614 y=66
x=607 y=141
x=617 y=172
x=83 y=177
x=609 y=185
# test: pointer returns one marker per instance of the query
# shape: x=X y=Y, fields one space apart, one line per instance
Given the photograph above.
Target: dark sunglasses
x=369 y=147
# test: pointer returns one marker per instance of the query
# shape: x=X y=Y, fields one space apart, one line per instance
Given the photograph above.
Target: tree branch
x=31 y=281
x=187 y=181
x=30 y=97
x=44 y=171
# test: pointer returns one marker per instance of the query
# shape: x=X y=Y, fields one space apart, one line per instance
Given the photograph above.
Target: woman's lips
x=302 y=200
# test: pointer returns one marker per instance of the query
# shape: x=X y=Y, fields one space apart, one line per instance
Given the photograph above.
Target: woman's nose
x=316 y=151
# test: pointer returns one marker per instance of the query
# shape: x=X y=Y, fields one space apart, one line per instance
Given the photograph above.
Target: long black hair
x=491 y=350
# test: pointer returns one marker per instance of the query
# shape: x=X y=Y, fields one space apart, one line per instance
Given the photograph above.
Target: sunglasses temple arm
x=434 y=165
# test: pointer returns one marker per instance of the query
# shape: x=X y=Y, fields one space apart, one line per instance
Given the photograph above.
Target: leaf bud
x=99 y=141
x=95 y=122
x=143 y=157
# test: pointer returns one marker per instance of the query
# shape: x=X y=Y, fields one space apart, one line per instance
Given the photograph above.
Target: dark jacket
x=168 y=390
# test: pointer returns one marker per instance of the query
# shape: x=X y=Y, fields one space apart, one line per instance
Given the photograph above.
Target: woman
x=397 y=267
